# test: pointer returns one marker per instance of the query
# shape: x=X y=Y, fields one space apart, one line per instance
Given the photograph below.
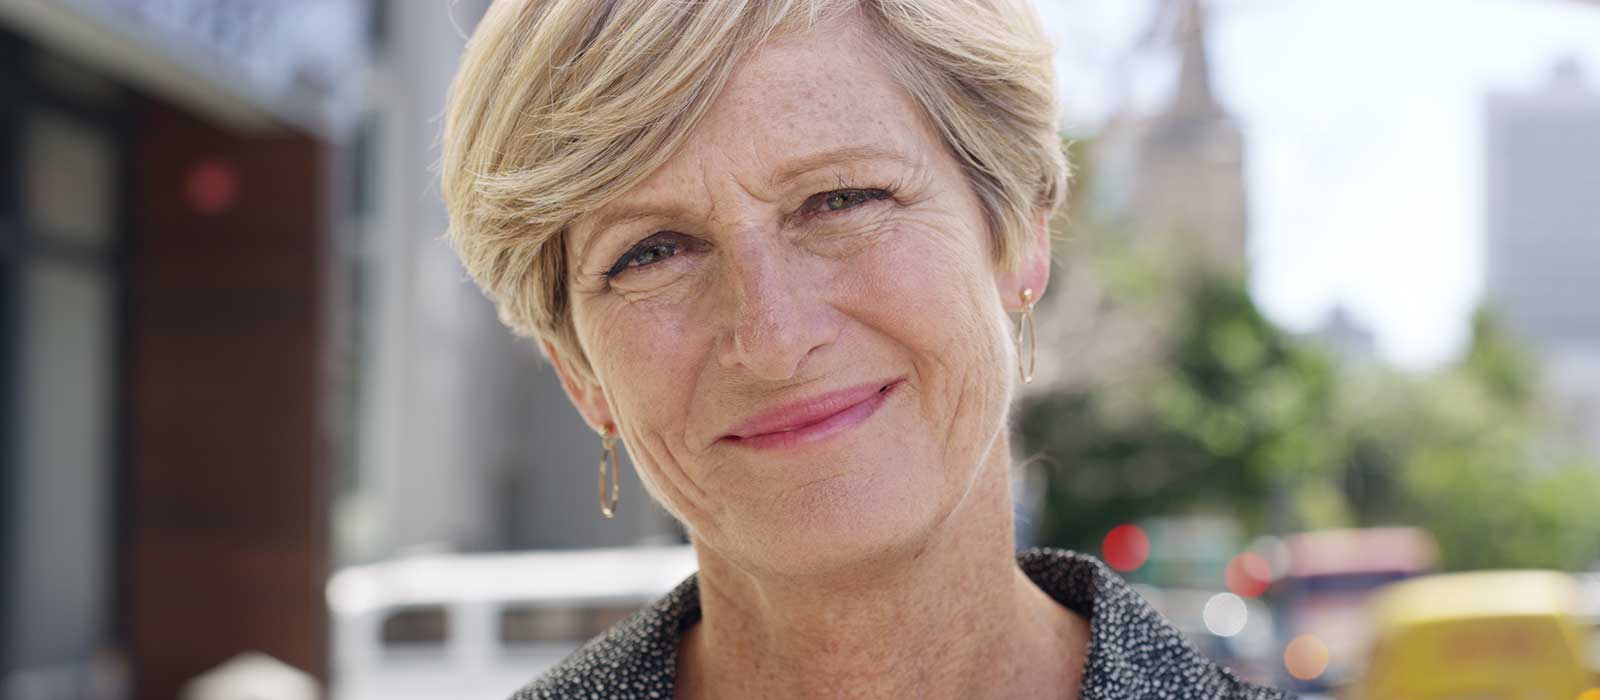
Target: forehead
x=795 y=96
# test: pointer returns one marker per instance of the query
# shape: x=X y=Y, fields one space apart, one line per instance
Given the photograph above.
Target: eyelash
x=655 y=241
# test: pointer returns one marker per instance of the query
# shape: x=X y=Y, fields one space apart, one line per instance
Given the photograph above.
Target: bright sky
x=1363 y=123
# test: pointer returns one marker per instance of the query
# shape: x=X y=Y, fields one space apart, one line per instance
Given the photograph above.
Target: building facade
x=236 y=351
x=1542 y=231
x=460 y=435
x=164 y=203
x=1170 y=184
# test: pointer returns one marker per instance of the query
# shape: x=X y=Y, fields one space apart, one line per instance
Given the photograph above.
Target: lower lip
x=823 y=429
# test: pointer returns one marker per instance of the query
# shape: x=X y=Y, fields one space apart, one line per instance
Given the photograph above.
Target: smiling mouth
x=808 y=424
x=813 y=420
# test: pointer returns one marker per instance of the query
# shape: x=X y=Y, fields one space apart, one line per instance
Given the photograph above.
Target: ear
x=586 y=396
x=1033 y=265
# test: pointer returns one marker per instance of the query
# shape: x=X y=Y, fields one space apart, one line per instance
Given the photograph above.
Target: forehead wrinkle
x=735 y=135
x=792 y=96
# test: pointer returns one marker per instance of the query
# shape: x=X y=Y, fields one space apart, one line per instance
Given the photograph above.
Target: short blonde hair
x=559 y=106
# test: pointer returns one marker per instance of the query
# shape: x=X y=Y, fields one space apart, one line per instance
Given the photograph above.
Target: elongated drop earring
x=1025 y=326
x=608 y=456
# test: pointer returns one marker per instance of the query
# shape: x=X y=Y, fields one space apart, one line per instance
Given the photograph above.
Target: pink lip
x=812 y=419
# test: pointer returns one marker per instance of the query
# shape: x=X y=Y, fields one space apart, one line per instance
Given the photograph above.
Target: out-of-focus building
x=1349 y=339
x=1178 y=175
x=165 y=194
x=459 y=435
x=1542 y=230
x=1171 y=183
x=235 y=348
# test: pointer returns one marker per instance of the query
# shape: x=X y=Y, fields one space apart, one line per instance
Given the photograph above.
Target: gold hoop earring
x=1025 y=326
x=608 y=455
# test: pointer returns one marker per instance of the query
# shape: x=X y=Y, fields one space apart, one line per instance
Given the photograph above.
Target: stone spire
x=1195 y=95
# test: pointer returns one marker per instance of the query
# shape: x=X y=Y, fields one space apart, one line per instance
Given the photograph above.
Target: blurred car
x=1325 y=589
x=1487 y=634
x=480 y=626
x=1589 y=616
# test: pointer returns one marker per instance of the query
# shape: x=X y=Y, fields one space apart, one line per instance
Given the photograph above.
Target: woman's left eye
x=839 y=200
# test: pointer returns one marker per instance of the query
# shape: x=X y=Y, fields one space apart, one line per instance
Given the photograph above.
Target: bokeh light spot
x=212 y=186
x=1248 y=575
x=1225 y=614
x=1275 y=552
x=1125 y=548
x=1306 y=657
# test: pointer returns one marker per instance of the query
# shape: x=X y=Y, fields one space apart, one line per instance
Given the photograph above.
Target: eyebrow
x=789 y=171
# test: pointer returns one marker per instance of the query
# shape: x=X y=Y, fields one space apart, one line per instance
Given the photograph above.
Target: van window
x=416 y=626
x=534 y=624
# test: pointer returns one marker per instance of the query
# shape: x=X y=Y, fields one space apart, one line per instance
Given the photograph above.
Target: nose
x=779 y=315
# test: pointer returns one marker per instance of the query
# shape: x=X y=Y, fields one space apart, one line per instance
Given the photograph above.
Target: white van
x=480 y=626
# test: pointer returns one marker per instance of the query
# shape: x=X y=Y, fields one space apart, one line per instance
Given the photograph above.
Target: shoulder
x=1133 y=651
x=636 y=658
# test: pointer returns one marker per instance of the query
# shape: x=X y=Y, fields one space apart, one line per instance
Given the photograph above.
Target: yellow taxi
x=1512 y=635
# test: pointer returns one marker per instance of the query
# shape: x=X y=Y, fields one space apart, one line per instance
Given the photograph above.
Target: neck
x=953 y=618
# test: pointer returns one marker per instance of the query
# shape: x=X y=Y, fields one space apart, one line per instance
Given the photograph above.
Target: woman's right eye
x=644 y=253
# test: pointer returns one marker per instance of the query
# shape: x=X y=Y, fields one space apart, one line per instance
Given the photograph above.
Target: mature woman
x=772 y=245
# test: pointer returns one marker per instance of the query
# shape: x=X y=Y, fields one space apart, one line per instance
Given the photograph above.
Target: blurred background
x=1319 y=373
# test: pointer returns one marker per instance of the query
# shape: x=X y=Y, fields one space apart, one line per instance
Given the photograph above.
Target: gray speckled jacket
x=1133 y=652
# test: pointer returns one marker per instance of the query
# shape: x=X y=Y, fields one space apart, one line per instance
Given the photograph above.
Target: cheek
x=650 y=363
x=934 y=289
x=635 y=351
x=932 y=293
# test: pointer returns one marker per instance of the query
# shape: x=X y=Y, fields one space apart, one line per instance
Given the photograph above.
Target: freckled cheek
x=927 y=288
x=650 y=363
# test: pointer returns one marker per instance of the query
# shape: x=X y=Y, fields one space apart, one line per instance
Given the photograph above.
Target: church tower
x=1187 y=169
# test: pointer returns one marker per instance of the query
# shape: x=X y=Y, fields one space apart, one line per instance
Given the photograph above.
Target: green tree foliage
x=1237 y=409
x=1241 y=418
x=1477 y=456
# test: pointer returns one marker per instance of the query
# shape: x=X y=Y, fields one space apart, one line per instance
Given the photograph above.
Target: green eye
x=844 y=200
x=652 y=254
x=839 y=200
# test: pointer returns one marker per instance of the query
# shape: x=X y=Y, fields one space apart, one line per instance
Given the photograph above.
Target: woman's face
x=795 y=323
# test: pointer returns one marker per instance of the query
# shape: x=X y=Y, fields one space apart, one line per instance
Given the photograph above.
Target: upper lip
x=799 y=414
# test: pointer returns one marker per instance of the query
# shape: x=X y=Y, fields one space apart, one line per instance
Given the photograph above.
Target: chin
x=845 y=524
